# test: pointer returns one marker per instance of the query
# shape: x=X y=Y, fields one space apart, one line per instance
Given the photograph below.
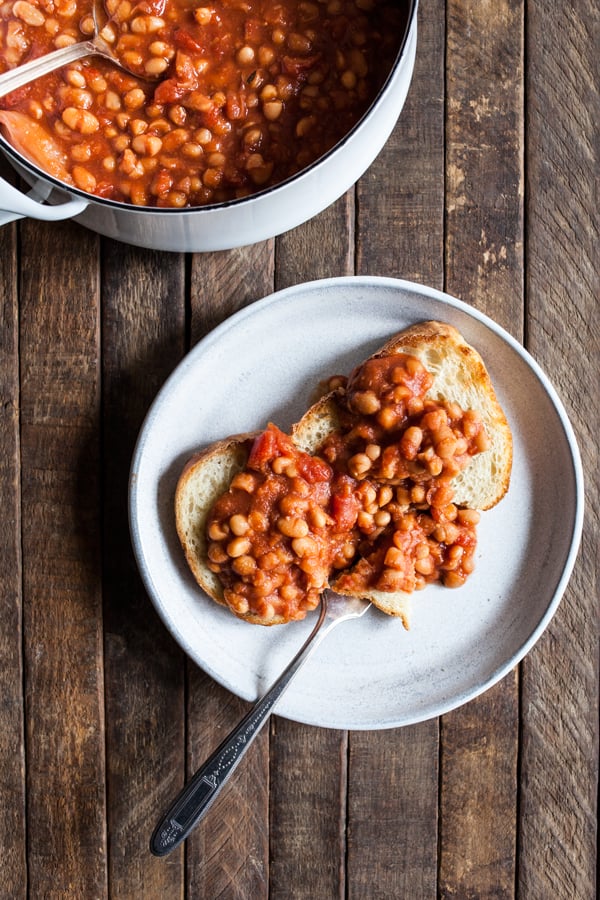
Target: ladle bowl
x=43 y=65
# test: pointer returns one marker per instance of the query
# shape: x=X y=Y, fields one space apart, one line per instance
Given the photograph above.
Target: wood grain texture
x=392 y=813
x=13 y=871
x=321 y=248
x=60 y=404
x=484 y=259
x=308 y=811
x=221 y=283
x=228 y=854
x=484 y=157
x=143 y=326
x=478 y=795
x=559 y=811
x=400 y=198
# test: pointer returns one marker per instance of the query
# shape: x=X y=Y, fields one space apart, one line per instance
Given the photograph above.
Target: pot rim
x=10 y=151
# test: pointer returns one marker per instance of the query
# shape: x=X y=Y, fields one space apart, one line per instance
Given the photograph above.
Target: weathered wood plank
x=228 y=854
x=308 y=811
x=13 y=871
x=392 y=813
x=484 y=157
x=559 y=798
x=401 y=204
x=222 y=283
x=321 y=248
x=478 y=795
x=143 y=327
x=393 y=775
x=60 y=402
x=484 y=258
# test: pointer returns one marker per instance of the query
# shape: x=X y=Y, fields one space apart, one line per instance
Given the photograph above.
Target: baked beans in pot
x=268 y=111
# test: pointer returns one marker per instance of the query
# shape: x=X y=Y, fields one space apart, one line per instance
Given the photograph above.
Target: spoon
x=193 y=802
x=42 y=65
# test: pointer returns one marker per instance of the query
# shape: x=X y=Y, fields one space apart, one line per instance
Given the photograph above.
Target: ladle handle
x=35 y=68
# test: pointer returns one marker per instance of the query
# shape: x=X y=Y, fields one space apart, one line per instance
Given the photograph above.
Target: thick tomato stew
x=234 y=95
x=373 y=509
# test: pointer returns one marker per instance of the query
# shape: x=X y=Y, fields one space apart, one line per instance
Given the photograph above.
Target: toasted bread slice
x=204 y=478
x=460 y=376
x=398 y=603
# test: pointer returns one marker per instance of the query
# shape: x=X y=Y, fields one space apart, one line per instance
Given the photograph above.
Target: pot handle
x=16 y=205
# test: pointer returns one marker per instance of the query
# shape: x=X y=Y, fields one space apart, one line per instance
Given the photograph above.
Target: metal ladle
x=29 y=71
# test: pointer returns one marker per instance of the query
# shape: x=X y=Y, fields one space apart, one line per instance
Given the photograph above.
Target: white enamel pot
x=225 y=225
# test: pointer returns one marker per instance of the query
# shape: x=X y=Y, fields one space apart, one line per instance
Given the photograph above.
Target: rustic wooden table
x=486 y=189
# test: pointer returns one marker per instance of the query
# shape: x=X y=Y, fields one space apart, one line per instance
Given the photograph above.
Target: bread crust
x=483 y=484
x=459 y=372
x=203 y=479
x=205 y=476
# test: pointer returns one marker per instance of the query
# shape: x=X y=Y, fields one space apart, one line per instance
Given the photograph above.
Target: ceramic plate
x=262 y=365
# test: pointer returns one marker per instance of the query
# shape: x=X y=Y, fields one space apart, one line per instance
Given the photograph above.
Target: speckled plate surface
x=262 y=365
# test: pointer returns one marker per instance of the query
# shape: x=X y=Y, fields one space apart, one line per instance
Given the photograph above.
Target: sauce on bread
x=372 y=509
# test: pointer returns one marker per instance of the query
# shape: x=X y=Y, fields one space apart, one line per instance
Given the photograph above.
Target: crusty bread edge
x=233 y=453
x=415 y=340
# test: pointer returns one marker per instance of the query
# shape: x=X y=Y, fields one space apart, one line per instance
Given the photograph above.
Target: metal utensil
x=42 y=65
x=199 y=793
